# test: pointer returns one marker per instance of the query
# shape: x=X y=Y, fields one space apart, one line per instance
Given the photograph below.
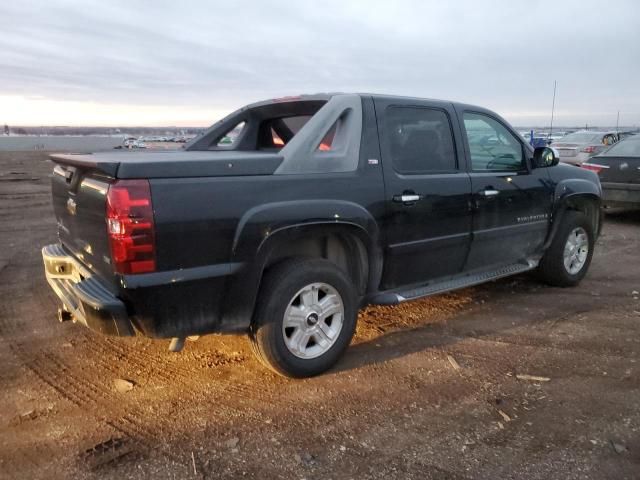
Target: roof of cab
x=327 y=95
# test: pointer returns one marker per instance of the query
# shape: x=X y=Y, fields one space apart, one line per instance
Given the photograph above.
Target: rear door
x=427 y=191
x=511 y=201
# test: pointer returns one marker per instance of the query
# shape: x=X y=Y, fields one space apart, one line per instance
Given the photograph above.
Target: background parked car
x=578 y=147
x=539 y=139
x=556 y=136
x=626 y=134
x=619 y=171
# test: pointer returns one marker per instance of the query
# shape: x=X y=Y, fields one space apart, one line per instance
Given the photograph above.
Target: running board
x=395 y=297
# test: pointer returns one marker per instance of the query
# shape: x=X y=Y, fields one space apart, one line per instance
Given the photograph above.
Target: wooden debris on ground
x=532 y=378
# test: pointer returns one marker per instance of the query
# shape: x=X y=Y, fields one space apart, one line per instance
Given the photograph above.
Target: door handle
x=489 y=192
x=407 y=198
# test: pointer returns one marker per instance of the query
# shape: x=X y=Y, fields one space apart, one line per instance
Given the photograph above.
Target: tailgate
x=79 y=189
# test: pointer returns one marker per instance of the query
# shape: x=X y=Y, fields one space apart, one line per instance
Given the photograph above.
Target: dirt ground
x=428 y=390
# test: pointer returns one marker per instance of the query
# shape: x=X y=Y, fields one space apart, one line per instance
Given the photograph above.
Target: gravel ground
x=428 y=389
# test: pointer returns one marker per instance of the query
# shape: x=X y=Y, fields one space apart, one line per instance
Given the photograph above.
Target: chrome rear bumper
x=83 y=295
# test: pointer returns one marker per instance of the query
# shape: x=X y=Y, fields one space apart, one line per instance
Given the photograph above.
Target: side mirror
x=545 y=157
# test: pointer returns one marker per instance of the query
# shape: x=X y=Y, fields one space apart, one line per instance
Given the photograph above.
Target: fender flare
x=262 y=229
x=262 y=222
x=341 y=229
x=572 y=191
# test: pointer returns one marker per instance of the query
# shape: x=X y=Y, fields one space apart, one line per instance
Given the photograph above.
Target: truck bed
x=174 y=163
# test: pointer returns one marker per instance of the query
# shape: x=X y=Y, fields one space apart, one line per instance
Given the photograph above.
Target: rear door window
x=420 y=140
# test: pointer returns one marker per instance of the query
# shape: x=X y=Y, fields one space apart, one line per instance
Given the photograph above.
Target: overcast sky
x=174 y=62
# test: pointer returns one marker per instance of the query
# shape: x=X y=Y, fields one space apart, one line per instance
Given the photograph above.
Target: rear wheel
x=305 y=317
x=568 y=258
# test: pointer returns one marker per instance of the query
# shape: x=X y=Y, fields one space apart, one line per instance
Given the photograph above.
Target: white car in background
x=578 y=147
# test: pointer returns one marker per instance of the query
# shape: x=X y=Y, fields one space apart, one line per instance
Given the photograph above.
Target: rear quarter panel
x=207 y=221
x=212 y=221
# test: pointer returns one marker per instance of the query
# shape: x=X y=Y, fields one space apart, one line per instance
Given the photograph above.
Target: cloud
x=204 y=56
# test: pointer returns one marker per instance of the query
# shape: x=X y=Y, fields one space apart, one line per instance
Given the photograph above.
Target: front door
x=511 y=200
x=427 y=190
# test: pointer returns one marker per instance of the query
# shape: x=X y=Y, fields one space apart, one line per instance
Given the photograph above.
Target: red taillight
x=589 y=149
x=594 y=167
x=130 y=226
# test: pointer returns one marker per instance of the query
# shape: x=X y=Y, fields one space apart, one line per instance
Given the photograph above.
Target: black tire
x=552 y=269
x=279 y=286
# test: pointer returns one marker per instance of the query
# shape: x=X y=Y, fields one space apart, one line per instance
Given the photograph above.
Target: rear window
x=275 y=133
x=264 y=126
x=627 y=148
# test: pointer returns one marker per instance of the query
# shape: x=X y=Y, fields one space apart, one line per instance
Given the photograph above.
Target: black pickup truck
x=287 y=216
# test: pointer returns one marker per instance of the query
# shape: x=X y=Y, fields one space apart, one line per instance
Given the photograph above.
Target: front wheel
x=305 y=317
x=567 y=260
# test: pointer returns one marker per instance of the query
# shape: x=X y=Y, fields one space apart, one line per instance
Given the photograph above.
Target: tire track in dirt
x=83 y=388
x=174 y=373
x=11 y=324
x=188 y=379
x=101 y=402
x=79 y=390
x=76 y=389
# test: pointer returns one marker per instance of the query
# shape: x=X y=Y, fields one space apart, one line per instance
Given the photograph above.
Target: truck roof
x=327 y=95
x=300 y=105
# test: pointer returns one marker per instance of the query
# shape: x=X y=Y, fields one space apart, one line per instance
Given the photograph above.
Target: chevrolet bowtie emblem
x=71 y=206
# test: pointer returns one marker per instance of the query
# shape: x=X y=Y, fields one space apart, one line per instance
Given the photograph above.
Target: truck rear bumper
x=83 y=295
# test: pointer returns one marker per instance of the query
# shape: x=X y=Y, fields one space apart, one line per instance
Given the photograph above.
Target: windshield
x=582 y=137
x=627 y=148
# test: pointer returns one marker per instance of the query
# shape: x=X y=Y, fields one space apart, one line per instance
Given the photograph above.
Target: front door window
x=491 y=146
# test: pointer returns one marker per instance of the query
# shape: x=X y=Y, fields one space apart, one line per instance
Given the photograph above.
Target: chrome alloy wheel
x=313 y=320
x=576 y=250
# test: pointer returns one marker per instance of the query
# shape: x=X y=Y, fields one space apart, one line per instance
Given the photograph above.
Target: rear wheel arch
x=349 y=247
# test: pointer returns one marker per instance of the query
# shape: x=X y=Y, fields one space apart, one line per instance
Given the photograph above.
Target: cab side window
x=420 y=140
x=491 y=146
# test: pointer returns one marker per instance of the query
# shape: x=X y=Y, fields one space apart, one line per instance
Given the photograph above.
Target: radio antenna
x=553 y=106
